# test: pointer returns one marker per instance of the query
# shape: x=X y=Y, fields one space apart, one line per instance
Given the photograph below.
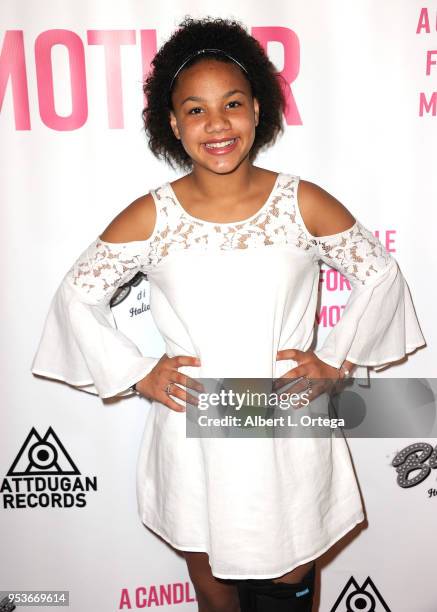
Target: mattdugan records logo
x=364 y=598
x=43 y=475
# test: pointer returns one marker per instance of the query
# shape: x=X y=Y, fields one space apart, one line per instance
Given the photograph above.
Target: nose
x=217 y=121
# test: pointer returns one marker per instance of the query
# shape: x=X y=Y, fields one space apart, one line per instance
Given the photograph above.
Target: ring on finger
x=168 y=387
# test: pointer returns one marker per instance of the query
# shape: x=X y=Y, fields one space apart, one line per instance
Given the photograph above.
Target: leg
x=213 y=594
x=296 y=574
x=292 y=592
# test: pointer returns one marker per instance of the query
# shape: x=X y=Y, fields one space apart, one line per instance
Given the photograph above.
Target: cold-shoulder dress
x=233 y=294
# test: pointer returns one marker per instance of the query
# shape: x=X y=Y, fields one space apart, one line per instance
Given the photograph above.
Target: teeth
x=218 y=145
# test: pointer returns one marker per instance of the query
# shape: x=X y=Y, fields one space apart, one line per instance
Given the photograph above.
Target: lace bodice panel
x=272 y=225
x=103 y=266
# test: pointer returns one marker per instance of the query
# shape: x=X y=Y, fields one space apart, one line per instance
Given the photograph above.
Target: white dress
x=233 y=294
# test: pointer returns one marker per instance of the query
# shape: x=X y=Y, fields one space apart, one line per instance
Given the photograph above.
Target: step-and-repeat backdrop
x=361 y=122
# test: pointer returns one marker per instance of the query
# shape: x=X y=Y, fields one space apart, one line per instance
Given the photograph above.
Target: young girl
x=232 y=254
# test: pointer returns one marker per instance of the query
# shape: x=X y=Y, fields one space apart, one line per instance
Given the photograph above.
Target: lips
x=218 y=147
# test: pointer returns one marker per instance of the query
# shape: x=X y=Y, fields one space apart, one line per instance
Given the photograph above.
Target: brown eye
x=190 y=112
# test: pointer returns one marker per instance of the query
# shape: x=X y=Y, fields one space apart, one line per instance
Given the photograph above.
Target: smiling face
x=213 y=104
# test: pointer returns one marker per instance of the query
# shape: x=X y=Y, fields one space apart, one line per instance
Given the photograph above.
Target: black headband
x=199 y=52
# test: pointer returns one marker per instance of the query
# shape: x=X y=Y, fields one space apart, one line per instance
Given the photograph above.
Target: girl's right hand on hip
x=153 y=386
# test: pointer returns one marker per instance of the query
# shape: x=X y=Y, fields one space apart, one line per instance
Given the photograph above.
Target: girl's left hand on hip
x=311 y=372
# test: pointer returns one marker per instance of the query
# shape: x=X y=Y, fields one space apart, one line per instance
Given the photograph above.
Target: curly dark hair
x=231 y=37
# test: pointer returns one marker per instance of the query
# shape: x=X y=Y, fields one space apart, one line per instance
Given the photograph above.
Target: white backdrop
x=74 y=154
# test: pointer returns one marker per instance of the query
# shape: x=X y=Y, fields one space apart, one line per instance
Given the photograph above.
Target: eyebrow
x=226 y=95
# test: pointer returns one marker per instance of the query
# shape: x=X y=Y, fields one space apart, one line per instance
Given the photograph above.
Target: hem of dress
x=151 y=526
x=358 y=518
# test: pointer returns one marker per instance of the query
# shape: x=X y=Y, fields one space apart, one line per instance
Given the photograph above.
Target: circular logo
x=360 y=601
x=43 y=455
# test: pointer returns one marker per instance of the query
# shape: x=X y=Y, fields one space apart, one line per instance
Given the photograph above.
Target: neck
x=223 y=187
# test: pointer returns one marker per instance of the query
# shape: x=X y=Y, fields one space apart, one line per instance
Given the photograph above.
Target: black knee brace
x=268 y=596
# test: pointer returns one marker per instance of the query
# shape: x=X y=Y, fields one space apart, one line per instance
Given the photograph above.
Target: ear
x=256 y=110
x=174 y=125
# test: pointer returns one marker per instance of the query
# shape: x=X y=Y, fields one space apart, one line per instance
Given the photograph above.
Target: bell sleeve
x=80 y=342
x=379 y=324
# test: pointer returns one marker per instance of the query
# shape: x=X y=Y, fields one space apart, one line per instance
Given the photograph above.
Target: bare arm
x=135 y=222
x=323 y=214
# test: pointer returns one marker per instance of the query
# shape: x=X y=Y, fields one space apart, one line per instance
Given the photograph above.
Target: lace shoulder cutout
x=355 y=252
x=103 y=266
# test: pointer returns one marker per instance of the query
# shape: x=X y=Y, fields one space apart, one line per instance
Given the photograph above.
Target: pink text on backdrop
x=424 y=23
x=156 y=595
x=386 y=239
x=14 y=68
x=329 y=316
x=333 y=280
x=427 y=102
